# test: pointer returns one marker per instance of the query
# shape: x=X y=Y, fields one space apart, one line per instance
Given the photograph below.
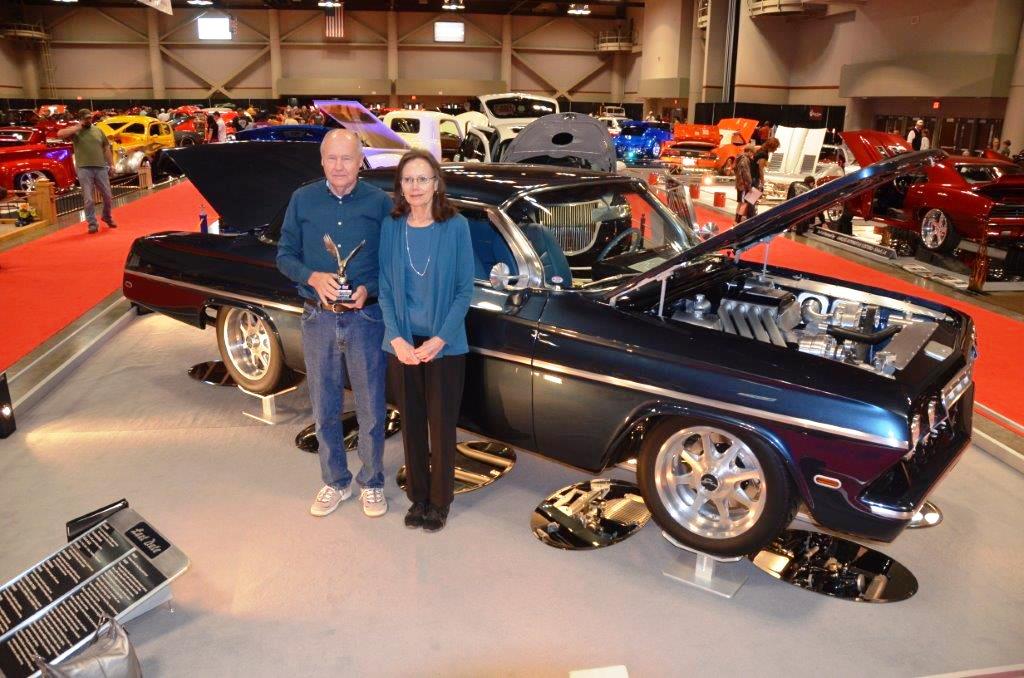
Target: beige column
x=275 y=51
x=715 y=51
x=29 y=62
x=156 y=63
x=1013 y=120
x=696 y=65
x=393 y=57
x=618 y=81
x=506 y=51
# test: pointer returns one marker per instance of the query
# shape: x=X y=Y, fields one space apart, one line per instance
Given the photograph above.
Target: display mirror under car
x=502 y=278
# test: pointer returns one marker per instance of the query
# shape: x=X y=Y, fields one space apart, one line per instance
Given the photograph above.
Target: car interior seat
x=556 y=266
x=489 y=248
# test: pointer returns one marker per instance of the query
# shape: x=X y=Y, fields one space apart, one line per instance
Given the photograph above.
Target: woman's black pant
x=429 y=393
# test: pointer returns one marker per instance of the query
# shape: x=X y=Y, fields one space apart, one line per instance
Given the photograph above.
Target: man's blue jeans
x=336 y=345
x=89 y=177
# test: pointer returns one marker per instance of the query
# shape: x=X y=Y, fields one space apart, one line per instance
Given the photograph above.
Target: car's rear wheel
x=937 y=232
x=250 y=349
x=713 y=487
x=26 y=181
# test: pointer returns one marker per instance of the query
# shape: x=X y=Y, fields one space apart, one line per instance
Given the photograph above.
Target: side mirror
x=707 y=230
x=501 y=277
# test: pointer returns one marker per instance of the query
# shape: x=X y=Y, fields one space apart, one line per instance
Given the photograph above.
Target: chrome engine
x=860 y=329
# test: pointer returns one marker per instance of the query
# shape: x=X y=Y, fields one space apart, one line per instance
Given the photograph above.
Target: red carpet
x=51 y=281
x=999 y=372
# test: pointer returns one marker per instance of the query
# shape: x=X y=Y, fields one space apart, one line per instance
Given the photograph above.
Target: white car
x=439 y=133
x=500 y=118
x=613 y=124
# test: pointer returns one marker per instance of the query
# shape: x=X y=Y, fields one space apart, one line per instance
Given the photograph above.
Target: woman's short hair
x=442 y=209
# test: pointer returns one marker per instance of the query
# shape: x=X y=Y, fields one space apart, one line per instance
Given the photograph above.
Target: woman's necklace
x=408 y=250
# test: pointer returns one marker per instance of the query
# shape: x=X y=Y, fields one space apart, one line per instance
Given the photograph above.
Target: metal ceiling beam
x=222 y=86
x=300 y=26
x=122 y=24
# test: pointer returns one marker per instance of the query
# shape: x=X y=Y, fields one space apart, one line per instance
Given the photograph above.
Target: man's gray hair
x=343 y=133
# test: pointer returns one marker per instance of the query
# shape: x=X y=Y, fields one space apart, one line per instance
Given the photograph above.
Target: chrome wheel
x=834 y=213
x=247 y=340
x=27 y=180
x=935 y=228
x=710 y=482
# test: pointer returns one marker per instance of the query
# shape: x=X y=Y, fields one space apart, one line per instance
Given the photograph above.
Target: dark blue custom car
x=283 y=133
x=641 y=140
x=602 y=332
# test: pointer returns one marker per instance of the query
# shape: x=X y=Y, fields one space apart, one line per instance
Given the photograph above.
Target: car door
x=501 y=328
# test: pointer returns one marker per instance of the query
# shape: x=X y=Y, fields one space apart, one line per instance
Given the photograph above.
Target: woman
x=426 y=284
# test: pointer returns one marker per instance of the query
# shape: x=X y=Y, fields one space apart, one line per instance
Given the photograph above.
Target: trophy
x=345 y=293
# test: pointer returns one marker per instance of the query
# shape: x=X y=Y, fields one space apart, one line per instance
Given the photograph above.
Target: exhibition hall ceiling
x=598 y=8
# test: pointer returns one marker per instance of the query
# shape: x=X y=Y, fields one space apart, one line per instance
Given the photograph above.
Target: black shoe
x=94 y=229
x=110 y=224
x=435 y=518
x=414 y=518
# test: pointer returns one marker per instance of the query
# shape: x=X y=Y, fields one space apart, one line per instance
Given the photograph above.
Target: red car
x=709 y=148
x=26 y=157
x=26 y=117
x=957 y=198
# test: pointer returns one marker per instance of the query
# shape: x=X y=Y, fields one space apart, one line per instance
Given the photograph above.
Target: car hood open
x=564 y=137
x=249 y=182
x=779 y=218
x=353 y=116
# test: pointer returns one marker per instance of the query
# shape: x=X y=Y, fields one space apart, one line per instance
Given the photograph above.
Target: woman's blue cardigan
x=452 y=259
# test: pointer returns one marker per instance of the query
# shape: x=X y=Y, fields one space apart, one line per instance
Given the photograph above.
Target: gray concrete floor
x=273 y=591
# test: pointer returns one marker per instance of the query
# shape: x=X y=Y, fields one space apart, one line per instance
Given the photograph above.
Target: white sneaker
x=328 y=498
x=375 y=504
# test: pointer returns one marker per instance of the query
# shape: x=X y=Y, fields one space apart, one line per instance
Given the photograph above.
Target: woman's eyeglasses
x=417 y=181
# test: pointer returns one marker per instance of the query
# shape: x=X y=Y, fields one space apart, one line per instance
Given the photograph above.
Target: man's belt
x=339 y=307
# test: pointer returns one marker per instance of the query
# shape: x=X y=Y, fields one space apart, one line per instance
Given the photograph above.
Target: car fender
x=285 y=326
x=629 y=441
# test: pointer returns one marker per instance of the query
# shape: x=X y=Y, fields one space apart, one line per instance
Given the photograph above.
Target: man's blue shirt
x=315 y=211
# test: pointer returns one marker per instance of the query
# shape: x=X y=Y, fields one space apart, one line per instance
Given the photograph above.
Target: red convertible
x=957 y=198
x=26 y=157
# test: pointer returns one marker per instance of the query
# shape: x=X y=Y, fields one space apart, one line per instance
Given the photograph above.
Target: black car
x=742 y=392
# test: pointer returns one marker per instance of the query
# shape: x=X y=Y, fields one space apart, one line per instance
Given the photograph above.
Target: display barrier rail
x=73 y=201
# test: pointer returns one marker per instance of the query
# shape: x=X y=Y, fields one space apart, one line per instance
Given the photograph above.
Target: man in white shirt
x=914 y=135
x=222 y=128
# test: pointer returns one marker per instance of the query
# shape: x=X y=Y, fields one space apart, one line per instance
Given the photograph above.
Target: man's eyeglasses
x=417 y=181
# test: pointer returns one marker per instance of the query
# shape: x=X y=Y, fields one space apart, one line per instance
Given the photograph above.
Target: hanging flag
x=159 y=5
x=334 y=24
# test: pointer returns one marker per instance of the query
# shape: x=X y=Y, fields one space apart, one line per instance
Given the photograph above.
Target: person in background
x=221 y=127
x=1004 y=148
x=995 y=145
x=926 y=141
x=914 y=135
x=799 y=188
x=94 y=160
x=340 y=338
x=426 y=285
x=163 y=115
x=744 y=182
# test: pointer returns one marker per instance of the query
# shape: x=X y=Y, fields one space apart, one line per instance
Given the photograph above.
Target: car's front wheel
x=937 y=232
x=26 y=181
x=250 y=349
x=714 y=488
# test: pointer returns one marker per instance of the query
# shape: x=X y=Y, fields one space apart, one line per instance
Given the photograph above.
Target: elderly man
x=94 y=160
x=339 y=338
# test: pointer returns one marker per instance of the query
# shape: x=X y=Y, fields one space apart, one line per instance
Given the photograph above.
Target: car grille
x=775 y=161
x=572 y=225
x=1007 y=212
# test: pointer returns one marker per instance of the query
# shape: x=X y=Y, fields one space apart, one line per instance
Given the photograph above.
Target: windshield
x=983 y=174
x=519 y=107
x=632 y=131
x=607 y=231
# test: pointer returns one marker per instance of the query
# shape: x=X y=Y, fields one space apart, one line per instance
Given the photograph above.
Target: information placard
x=53 y=608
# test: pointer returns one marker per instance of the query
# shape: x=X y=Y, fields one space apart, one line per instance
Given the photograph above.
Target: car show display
x=749 y=275
x=898 y=369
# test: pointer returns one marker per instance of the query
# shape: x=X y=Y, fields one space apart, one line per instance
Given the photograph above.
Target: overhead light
x=66 y=1
x=328 y=4
x=453 y=5
x=579 y=9
x=200 y=3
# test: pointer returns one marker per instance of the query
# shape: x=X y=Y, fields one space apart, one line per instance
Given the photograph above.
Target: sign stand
x=720 y=576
